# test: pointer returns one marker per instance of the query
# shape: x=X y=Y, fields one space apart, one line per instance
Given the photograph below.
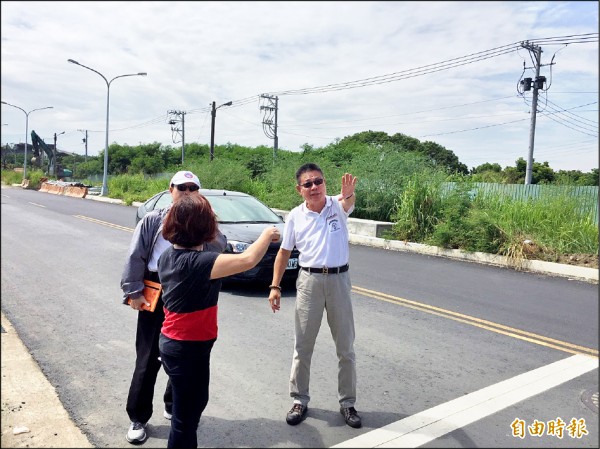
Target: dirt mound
x=582 y=260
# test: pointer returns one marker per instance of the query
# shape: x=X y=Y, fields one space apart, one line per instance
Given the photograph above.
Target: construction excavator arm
x=39 y=144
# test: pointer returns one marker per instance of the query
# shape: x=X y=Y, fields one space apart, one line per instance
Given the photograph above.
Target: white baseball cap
x=182 y=177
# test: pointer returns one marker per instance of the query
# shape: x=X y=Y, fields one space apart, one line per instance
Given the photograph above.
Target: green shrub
x=556 y=224
x=132 y=188
x=10 y=177
x=419 y=210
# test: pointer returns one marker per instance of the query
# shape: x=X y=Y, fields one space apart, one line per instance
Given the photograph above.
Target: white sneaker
x=167 y=415
x=137 y=433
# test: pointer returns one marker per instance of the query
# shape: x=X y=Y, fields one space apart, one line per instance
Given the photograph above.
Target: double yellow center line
x=103 y=223
x=473 y=321
x=481 y=323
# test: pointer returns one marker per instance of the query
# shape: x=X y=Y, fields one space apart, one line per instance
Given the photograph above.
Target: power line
x=562 y=122
x=476 y=128
x=401 y=75
x=397 y=76
x=565 y=40
x=575 y=116
x=574 y=119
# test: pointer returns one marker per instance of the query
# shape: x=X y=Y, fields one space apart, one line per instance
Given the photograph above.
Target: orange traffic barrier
x=77 y=192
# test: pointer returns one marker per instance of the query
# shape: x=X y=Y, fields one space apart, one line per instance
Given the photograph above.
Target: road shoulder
x=30 y=403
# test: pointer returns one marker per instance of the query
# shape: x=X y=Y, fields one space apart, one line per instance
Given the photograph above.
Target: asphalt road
x=449 y=353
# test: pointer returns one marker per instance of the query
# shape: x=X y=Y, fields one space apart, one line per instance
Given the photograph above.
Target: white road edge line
x=428 y=425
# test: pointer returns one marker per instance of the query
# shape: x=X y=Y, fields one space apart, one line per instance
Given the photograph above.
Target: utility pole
x=213 y=113
x=85 y=140
x=54 y=161
x=276 y=138
x=270 y=121
x=182 y=136
x=181 y=130
x=538 y=83
x=54 y=157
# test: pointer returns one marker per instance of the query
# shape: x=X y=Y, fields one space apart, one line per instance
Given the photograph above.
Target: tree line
x=155 y=158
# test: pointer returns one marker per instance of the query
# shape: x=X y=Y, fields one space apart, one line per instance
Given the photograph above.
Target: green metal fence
x=586 y=195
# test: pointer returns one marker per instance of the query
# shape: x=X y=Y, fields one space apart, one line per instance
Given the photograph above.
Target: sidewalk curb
x=535 y=266
x=24 y=388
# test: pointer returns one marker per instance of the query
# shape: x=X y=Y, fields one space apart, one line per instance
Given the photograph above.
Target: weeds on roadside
x=402 y=188
x=542 y=228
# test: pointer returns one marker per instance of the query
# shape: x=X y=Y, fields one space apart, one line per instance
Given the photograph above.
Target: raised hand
x=348 y=186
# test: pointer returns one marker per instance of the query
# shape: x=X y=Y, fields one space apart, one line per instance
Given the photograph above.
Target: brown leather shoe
x=297 y=414
x=351 y=417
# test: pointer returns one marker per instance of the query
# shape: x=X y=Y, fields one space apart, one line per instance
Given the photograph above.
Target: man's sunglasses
x=309 y=184
x=184 y=187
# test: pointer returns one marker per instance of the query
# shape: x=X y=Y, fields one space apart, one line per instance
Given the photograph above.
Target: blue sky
x=199 y=52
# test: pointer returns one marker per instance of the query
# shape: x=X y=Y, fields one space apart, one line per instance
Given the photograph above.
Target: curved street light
x=104 y=190
x=212 y=127
x=26 y=131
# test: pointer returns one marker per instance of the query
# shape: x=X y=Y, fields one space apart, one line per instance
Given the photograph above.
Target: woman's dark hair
x=307 y=167
x=190 y=222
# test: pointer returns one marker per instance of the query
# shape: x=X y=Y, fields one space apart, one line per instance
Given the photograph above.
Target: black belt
x=327 y=270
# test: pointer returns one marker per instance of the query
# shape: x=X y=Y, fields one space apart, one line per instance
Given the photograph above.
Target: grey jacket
x=142 y=243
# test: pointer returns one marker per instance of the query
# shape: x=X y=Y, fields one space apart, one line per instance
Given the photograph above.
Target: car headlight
x=236 y=247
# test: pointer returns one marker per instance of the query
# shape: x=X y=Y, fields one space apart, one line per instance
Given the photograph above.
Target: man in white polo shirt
x=318 y=229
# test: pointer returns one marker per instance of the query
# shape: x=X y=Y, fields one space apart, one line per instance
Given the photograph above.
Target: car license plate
x=292 y=264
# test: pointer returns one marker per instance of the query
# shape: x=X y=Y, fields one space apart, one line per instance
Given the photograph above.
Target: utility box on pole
x=270 y=125
x=181 y=130
x=537 y=55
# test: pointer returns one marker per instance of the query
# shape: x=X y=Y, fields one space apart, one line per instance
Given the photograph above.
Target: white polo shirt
x=321 y=238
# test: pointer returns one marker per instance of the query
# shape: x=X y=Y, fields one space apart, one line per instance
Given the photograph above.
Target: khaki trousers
x=315 y=294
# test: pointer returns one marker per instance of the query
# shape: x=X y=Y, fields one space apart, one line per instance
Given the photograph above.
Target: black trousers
x=188 y=365
x=147 y=365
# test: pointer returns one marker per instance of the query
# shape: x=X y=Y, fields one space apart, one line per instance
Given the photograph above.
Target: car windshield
x=241 y=209
x=229 y=208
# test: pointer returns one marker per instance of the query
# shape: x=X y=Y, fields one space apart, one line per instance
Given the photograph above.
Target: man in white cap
x=186 y=178
x=147 y=244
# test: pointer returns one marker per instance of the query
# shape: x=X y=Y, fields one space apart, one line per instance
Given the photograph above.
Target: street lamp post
x=26 y=131
x=54 y=164
x=104 y=190
x=212 y=127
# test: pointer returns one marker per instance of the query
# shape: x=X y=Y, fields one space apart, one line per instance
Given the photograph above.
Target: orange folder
x=151 y=292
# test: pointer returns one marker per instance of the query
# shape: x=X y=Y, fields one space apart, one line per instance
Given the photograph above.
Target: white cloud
x=199 y=52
